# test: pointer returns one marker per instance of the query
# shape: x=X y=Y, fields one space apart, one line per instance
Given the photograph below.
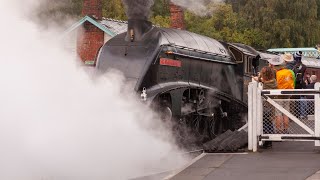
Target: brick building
x=88 y=35
x=85 y=37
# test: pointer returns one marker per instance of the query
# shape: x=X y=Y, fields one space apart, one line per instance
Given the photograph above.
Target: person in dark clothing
x=297 y=56
x=299 y=69
x=255 y=64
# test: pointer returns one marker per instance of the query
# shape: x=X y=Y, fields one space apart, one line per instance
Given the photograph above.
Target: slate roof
x=116 y=26
x=109 y=26
x=311 y=62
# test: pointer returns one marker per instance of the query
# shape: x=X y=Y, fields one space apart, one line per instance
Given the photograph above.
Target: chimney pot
x=177 y=17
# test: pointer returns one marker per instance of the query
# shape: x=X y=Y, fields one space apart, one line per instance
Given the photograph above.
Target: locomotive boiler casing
x=164 y=59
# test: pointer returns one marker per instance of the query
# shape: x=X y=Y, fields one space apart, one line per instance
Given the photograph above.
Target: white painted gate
x=301 y=106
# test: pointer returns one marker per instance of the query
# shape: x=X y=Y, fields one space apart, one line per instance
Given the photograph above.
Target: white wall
x=70 y=43
x=107 y=37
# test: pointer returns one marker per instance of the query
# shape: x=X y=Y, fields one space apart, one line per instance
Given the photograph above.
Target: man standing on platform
x=285 y=80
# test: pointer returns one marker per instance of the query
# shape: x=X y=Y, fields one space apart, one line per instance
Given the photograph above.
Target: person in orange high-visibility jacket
x=285 y=80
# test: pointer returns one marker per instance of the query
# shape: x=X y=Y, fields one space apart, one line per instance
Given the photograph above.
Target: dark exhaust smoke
x=138 y=12
x=138 y=9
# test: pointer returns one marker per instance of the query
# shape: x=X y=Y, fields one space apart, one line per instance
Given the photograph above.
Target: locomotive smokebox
x=137 y=28
x=138 y=12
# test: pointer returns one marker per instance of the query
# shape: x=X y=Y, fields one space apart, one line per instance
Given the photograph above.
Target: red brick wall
x=90 y=38
x=89 y=42
x=177 y=17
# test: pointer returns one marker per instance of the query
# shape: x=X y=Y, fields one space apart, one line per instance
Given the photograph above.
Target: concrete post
x=250 y=116
x=254 y=117
x=317 y=114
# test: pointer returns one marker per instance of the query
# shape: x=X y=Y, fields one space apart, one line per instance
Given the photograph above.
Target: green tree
x=113 y=9
x=161 y=13
x=162 y=21
x=285 y=23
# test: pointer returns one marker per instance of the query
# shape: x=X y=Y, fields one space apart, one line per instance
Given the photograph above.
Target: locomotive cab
x=248 y=60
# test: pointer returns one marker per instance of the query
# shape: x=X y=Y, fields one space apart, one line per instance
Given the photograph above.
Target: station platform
x=285 y=161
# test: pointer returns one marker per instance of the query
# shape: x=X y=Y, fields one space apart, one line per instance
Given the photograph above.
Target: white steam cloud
x=57 y=123
x=199 y=7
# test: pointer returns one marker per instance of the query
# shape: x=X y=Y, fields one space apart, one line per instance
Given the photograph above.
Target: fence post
x=317 y=114
x=250 y=93
x=254 y=117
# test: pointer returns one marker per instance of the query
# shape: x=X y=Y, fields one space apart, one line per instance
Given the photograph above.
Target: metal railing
x=283 y=115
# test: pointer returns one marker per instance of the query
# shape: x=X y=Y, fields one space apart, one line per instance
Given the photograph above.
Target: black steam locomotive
x=197 y=82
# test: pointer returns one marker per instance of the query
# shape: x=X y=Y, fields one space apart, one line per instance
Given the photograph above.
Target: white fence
x=283 y=115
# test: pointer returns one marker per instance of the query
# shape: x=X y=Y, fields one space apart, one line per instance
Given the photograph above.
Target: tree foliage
x=286 y=23
x=262 y=23
x=113 y=9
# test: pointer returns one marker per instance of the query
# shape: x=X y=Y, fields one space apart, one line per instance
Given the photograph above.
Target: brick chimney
x=90 y=38
x=92 y=8
x=177 y=17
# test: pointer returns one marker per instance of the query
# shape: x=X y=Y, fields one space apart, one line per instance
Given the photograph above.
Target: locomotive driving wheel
x=201 y=119
x=166 y=114
x=205 y=125
x=164 y=108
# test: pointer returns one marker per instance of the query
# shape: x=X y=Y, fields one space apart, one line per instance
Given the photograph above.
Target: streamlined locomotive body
x=197 y=82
